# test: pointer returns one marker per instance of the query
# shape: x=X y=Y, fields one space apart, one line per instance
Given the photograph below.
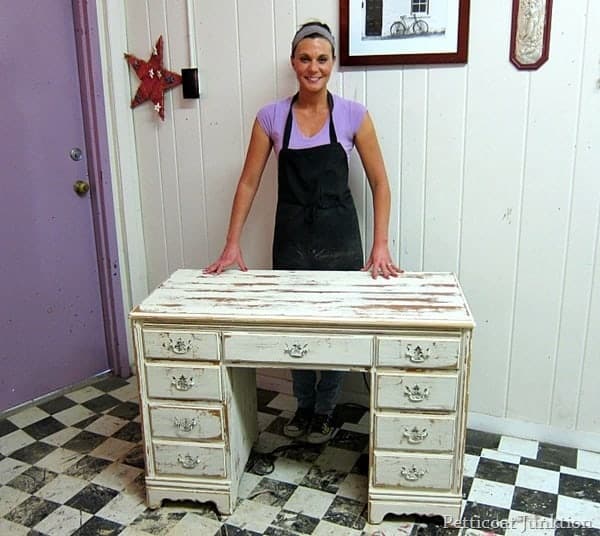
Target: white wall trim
x=539 y=432
x=112 y=33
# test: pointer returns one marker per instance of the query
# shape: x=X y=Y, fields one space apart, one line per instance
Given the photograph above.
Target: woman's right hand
x=230 y=255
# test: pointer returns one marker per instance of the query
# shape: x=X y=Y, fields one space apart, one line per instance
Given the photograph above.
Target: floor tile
x=122 y=509
x=64 y=520
x=335 y=458
x=579 y=487
x=112 y=449
x=354 y=486
x=14 y=529
x=311 y=502
x=6 y=427
x=73 y=415
x=500 y=456
x=483 y=439
x=10 y=468
x=84 y=394
x=117 y=476
x=61 y=489
x=44 y=427
x=57 y=404
x=485 y=517
x=470 y=464
x=272 y=492
x=33 y=453
x=557 y=454
x=527 y=524
x=296 y=522
x=491 y=493
x=92 y=498
x=28 y=416
x=13 y=441
x=87 y=467
x=101 y=403
x=497 y=471
x=536 y=478
x=31 y=511
x=195 y=525
x=521 y=447
x=287 y=470
x=10 y=498
x=157 y=521
x=346 y=512
x=578 y=510
x=534 y=502
x=32 y=479
x=588 y=461
x=283 y=402
x=96 y=526
x=253 y=516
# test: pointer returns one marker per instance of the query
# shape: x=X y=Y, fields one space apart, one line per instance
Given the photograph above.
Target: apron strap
x=288 y=123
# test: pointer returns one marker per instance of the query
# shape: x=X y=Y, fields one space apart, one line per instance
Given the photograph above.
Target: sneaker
x=299 y=423
x=320 y=430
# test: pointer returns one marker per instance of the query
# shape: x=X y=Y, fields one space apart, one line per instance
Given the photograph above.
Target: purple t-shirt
x=347 y=117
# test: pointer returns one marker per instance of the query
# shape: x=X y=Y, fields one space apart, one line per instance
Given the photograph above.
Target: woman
x=316 y=226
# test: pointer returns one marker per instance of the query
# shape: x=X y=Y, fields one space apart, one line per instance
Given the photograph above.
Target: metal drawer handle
x=187 y=462
x=182 y=383
x=296 y=350
x=412 y=474
x=179 y=346
x=417 y=354
x=415 y=435
x=416 y=393
x=185 y=425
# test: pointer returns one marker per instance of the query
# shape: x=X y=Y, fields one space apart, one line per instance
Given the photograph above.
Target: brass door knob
x=81 y=188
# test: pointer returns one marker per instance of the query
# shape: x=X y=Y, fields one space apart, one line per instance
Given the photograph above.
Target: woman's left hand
x=380 y=263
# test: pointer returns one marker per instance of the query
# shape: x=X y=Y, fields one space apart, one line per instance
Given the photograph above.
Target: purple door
x=51 y=321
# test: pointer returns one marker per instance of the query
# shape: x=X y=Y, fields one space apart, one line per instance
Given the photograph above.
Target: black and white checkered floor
x=74 y=465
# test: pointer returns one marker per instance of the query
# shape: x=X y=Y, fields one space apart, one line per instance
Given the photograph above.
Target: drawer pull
x=416 y=354
x=412 y=474
x=187 y=462
x=179 y=347
x=415 y=435
x=185 y=425
x=296 y=350
x=416 y=393
x=182 y=383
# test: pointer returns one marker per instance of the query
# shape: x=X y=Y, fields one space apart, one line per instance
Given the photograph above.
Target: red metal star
x=154 y=79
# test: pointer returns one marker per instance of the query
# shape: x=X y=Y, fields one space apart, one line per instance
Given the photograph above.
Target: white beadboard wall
x=493 y=174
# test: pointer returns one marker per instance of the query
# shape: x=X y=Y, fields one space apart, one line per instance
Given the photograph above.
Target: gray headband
x=312 y=29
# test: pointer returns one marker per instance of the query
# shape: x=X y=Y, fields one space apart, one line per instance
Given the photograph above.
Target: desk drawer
x=418 y=352
x=183 y=383
x=198 y=423
x=397 y=431
x=411 y=391
x=189 y=459
x=413 y=471
x=298 y=349
x=171 y=343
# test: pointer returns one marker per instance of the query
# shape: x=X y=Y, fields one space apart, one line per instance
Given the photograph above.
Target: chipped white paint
x=413 y=299
x=412 y=333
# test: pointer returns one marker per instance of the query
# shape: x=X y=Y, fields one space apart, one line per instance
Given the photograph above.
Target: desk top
x=283 y=297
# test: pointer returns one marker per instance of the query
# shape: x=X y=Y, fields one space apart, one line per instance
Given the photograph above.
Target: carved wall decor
x=530 y=34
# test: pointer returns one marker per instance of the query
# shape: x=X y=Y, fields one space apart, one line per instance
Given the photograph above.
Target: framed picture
x=389 y=32
x=530 y=33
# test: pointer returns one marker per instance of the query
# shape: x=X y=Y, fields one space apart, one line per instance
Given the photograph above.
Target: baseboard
x=538 y=432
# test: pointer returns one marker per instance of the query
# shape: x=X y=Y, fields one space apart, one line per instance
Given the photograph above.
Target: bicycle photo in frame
x=388 y=32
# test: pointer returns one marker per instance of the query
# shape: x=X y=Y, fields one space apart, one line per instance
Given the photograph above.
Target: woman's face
x=313 y=62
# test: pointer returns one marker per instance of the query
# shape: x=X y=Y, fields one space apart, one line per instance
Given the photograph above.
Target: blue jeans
x=320 y=397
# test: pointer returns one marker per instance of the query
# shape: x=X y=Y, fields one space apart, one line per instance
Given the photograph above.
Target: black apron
x=316 y=226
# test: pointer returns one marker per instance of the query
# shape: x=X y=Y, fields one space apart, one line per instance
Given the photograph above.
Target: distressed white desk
x=199 y=338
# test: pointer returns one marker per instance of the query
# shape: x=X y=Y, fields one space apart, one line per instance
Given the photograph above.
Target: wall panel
x=493 y=174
